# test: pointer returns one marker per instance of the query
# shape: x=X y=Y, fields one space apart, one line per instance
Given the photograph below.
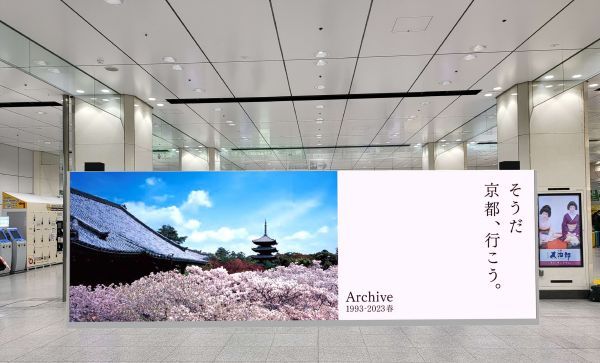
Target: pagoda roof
x=264 y=249
x=264 y=238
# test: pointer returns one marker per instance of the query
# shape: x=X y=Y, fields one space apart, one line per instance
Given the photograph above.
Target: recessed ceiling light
x=114 y=2
x=231 y=124
x=54 y=70
x=424 y=103
x=593 y=85
x=136 y=105
x=443 y=145
x=319 y=119
x=199 y=90
x=105 y=99
x=218 y=109
x=458 y=140
x=321 y=62
x=445 y=82
x=80 y=91
x=548 y=76
x=41 y=113
x=160 y=104
x=479 y=48
x=497 y=88
x=472 y=142
x=47 y=142
x=576 y=76
x=320 y=86
x=319 y=135
x=412 y=116
x=228 y=121
x=320 y=107
x=151 y=99
x=321 y=54
x=319 y=122
x=514 y=94
x=169 y=59
x=387 y=142
x=105 y=90
x=40 y=62
x=442 y=140
x=549 y=86
x=469 y=57
x=417 y=145
x=176 y=67
x=488 y=95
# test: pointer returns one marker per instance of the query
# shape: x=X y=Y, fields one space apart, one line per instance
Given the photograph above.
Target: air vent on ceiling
x=411 y=24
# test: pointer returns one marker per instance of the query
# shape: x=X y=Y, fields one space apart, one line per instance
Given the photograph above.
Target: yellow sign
x=10 y=202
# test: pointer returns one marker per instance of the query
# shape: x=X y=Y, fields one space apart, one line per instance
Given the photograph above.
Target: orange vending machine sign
x=11 y=202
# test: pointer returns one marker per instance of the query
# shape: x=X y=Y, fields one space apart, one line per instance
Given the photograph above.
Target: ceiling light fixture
x=548 y=76
x=80 y=91
x=54 y=70
x=321 y=62
x=479 y=48
x=105 y=90
x=320 y=87
x=417 y=145
x=136 y=105
x=160 y=104
x=593 y=85
x=151 y=99
x=228 y=121
x=105 y=99
x=199 y=90
x=514 y=94
x=47 y=142
x=40 y=62
x=320 y=107
x=218 y=109
x=114 y=2
x=497 y=88
x=469 y=57
x=488 y=95
x=575 y=76
x=177 y=67
x=446 y=83
x=41 y=113
x=549 y=86
x=231 y=124
x=472 y=142
x=321 y=54
x=169 y=59
x=442 y=140
x=458 y=140
x=319 y=119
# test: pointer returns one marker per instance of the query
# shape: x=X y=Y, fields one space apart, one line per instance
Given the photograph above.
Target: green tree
x=171 y=233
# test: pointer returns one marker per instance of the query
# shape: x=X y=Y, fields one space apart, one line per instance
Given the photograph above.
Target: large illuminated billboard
x=283 y=246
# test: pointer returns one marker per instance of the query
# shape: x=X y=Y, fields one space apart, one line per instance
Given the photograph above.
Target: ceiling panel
x=147 y=30
x=313 y=128
x=131 y=80
x=198 y=80
x=270 y=111
x=574 y=28
x=255 y=79
x=369 y=109
x=483 y=24
x=387 y=32
x=306 y=75
x=308 y=26
x=422 y=107
x=231 y=30
x=454 y=68
x=387 y=74
x=327 y=110
x=56 y=27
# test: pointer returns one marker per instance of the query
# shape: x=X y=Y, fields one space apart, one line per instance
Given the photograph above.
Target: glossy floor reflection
x=33 y=329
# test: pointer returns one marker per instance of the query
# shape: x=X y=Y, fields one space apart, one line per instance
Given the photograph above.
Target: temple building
x=264 y=247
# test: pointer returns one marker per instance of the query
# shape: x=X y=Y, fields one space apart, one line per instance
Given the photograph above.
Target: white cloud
x=155 y=217
x=198 y=198
x=153 y=181
x=162 y=198
x=223 y=234
x=192 y=224
x=304 y=235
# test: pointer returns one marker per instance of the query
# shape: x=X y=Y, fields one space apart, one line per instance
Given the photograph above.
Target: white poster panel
x=432 y=245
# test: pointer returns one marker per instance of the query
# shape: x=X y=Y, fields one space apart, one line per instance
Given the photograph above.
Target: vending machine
x=19 y=250
x=5 y=252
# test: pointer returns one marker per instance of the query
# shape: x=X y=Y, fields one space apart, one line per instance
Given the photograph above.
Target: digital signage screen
x=560 y=230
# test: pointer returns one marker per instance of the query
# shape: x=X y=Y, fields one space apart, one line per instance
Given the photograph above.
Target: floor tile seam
x=43 y=346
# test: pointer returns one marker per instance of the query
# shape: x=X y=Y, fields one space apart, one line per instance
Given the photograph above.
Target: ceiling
x=228 y=48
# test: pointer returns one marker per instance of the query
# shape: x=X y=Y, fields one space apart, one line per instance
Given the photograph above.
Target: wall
x=99 y=137
x=453 y=159
x=46 y=173
x=16 y=169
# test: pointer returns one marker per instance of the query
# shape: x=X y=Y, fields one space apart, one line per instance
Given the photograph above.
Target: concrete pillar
x=428 y=156
x=189 y=161
x=137 y=125
x=552 y=139
x=452 y=159
x=214 y=159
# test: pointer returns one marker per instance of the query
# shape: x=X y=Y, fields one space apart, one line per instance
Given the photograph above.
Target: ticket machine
x=19 y=250
x=5 y=251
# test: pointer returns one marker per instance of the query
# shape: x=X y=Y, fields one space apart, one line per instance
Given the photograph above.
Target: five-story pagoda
x=264 y=247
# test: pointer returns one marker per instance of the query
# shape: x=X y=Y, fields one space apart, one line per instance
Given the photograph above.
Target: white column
x=214 y=159
x=428 y=156
x=137 y=125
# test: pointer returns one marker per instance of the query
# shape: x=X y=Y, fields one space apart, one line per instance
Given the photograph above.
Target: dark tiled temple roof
x=109 y=227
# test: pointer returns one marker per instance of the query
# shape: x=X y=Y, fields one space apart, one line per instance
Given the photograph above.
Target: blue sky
x=228 y=209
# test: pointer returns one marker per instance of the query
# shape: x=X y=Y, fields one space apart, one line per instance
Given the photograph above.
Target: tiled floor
x=569 y=331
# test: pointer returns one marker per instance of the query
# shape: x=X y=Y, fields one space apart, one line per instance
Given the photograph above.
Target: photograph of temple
x=265 y=247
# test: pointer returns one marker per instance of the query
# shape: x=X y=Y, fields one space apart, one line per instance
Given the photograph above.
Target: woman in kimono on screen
x=571 y=226
x=544 y=226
